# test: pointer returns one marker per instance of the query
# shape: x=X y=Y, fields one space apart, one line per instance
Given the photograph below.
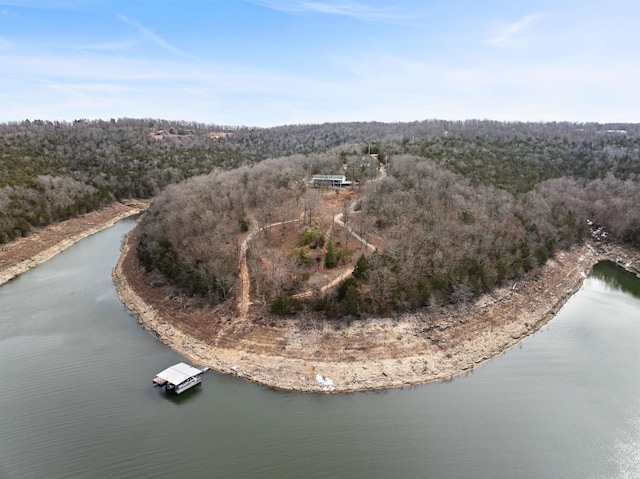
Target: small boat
x=178 y=378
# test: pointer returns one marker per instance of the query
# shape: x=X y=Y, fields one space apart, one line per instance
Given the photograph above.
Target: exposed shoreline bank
x=25 y=253
x=368 y=354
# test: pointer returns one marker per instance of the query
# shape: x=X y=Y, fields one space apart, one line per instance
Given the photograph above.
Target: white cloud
x=407 y=90
x=154 y=37
x=71 y=84
x=104 y=47
x=509 y=34
x=86 y=86
x=358 y=10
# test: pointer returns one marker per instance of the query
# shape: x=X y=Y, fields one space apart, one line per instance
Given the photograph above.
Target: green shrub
x=332 y=256
x=284 y=305
x=314 y=239
x=341 y=290
x=361 y=270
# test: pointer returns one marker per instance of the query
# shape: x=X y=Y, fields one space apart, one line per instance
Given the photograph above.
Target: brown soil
x=307 y=354
x=25 y=253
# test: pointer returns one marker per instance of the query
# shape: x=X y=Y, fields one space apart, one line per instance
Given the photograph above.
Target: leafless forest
x=441 y=236
x=458 y=209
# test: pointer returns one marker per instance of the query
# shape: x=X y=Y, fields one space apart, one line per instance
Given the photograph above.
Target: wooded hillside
x=50 y=171
x=472 y=214
x=464 y=206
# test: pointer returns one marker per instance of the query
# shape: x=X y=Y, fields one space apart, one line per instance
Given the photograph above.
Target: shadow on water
x=617 y=278
x=184 y=397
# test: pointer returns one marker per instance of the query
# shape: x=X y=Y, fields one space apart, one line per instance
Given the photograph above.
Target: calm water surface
x=76 y=399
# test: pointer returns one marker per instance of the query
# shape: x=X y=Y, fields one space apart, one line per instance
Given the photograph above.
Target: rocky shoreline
x=295 y=355
x=26 y=253
x=376 y=353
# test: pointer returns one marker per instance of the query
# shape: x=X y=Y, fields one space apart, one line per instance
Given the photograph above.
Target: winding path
x=244 y=298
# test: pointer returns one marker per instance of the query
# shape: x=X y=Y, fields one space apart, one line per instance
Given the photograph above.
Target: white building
x=329 y=181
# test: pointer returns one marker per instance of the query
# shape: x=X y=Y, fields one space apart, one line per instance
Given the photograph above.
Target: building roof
x=328 y=177
x=178 y=373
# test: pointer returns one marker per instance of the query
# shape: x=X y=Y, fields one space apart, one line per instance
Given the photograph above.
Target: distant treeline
x=51 y=171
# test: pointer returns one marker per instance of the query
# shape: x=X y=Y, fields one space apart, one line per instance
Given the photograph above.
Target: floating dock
x=178 y=378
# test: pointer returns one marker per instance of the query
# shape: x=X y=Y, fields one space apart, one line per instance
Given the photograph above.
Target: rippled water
x=77 y=402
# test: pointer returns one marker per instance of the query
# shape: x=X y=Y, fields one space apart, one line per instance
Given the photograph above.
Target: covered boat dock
x=179 y=377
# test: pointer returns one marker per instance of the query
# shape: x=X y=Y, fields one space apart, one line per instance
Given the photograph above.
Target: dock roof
x=178 y=373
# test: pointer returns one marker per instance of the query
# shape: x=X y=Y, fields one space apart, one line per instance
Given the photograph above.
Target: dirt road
x=303 y=354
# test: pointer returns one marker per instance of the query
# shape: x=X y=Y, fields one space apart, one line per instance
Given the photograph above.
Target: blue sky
x=275 y=62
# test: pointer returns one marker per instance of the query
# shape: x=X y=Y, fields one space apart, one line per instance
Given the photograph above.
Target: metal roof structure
x=178 y=373
x=329 y=177
x=329 y=180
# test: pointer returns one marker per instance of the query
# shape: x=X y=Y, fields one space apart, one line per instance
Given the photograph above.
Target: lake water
x=76 y=399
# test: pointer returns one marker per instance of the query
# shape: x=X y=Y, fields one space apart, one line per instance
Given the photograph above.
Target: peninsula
x=372 y=353
x=333 y=257
x=368 y=354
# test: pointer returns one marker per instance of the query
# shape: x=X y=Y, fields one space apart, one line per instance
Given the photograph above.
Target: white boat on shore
x=178 y=378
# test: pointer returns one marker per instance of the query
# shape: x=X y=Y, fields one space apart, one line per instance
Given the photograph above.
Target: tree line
x=51 y=171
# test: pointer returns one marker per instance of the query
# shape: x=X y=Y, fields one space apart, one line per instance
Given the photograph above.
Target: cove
x=77 y=401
